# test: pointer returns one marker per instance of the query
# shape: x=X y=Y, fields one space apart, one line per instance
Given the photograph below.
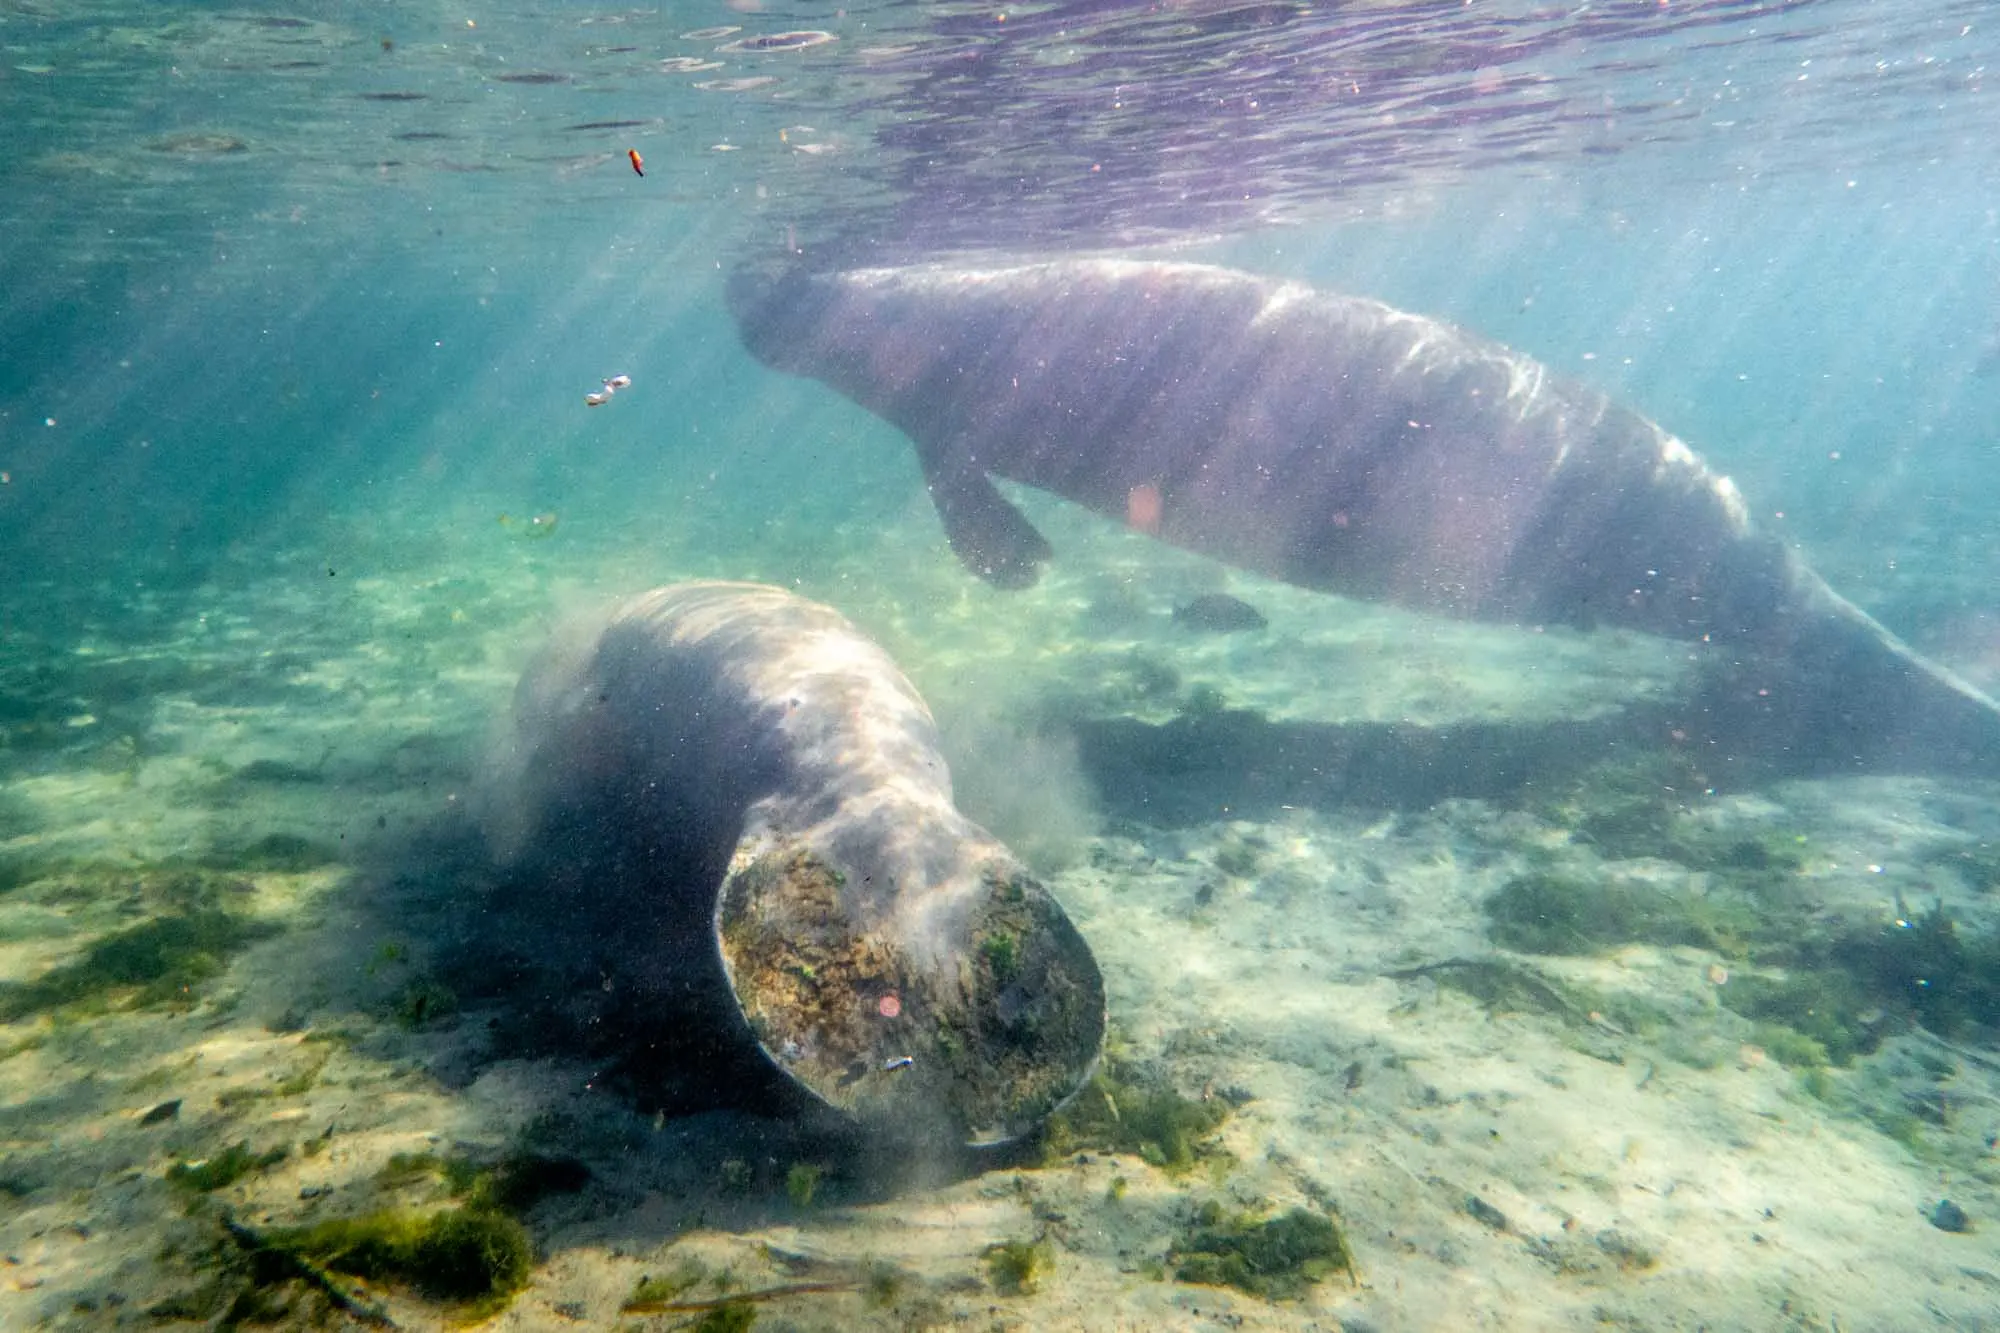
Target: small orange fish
x=638 y=163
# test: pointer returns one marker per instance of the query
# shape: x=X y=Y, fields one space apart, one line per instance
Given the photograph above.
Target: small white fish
x=596 y=399
x=617 y=382
x=900 y=1062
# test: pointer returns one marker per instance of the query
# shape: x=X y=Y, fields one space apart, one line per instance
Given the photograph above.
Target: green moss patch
x=159 y=962
x=1120 y=1111
x=1278 y=1258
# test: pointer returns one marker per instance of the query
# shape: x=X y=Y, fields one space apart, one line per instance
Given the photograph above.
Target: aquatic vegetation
x=881 y=1284
x=1842 y=989
x=285 y=853
x=1649 y=807
x=423 y=1001
x=1016 y=1267
x=1117 y=1112
x=801 y=1182
x=1279 y=1258
x=296 y=1084
x=651 y=1290
x=1568 y=914
x=1978 y=866
x=1792 y=1048
x=1204 y=702
x=158 y=962
x=513 y=1184
x=1503 y=985
x=729 y=1317
x=222 y=1170
x=458 y=1254
x=1241 y=857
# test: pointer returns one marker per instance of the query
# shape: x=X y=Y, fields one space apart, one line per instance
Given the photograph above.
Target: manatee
x=797 y=871
x=1339 y=444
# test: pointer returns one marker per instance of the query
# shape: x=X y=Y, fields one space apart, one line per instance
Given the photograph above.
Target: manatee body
x=1337 y=443
x=813 y=889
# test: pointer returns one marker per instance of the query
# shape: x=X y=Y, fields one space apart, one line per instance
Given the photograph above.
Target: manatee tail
x=1832 y=691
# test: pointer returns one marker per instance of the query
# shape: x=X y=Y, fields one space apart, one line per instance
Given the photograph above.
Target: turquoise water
x=298 y=312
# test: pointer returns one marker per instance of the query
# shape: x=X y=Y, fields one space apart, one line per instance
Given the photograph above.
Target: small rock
x=1485 y=1212
x=1948 y=1216
x=315 y=1191
x=1219 y=613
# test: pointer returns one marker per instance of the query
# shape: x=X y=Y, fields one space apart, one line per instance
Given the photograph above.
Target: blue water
x=317 y=294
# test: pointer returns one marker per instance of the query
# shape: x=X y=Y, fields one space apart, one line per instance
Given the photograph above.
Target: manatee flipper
x=987 y=533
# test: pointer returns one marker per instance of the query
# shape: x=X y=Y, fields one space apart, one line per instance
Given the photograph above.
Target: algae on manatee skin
x=1278 y=1258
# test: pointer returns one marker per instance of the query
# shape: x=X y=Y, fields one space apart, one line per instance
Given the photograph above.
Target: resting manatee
x=819 y=894
x=1336 y=443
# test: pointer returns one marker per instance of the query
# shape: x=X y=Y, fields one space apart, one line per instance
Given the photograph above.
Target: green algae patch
x=467 y=1255
x=163 y=961
x=1568 y=914
x=513 y=1184
x=281 y=853
x=1119 y=1111
x=222 y=1170
x=1278 y=1258
x=1016 y=1267
x=1844 y=991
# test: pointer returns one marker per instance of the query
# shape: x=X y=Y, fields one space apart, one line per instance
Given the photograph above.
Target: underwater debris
x=1276 y=1259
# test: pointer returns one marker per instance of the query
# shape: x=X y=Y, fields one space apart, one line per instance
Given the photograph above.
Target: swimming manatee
x=802 y=880
x=1339 y=444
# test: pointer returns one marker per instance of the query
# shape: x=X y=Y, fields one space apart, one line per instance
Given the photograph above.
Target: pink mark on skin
x=889 y=1006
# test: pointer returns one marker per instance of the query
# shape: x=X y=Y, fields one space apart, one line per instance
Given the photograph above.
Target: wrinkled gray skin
x=1337 y=443
x=802 y=849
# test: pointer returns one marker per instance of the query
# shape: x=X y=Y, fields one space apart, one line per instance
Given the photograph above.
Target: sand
x=299 y=743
